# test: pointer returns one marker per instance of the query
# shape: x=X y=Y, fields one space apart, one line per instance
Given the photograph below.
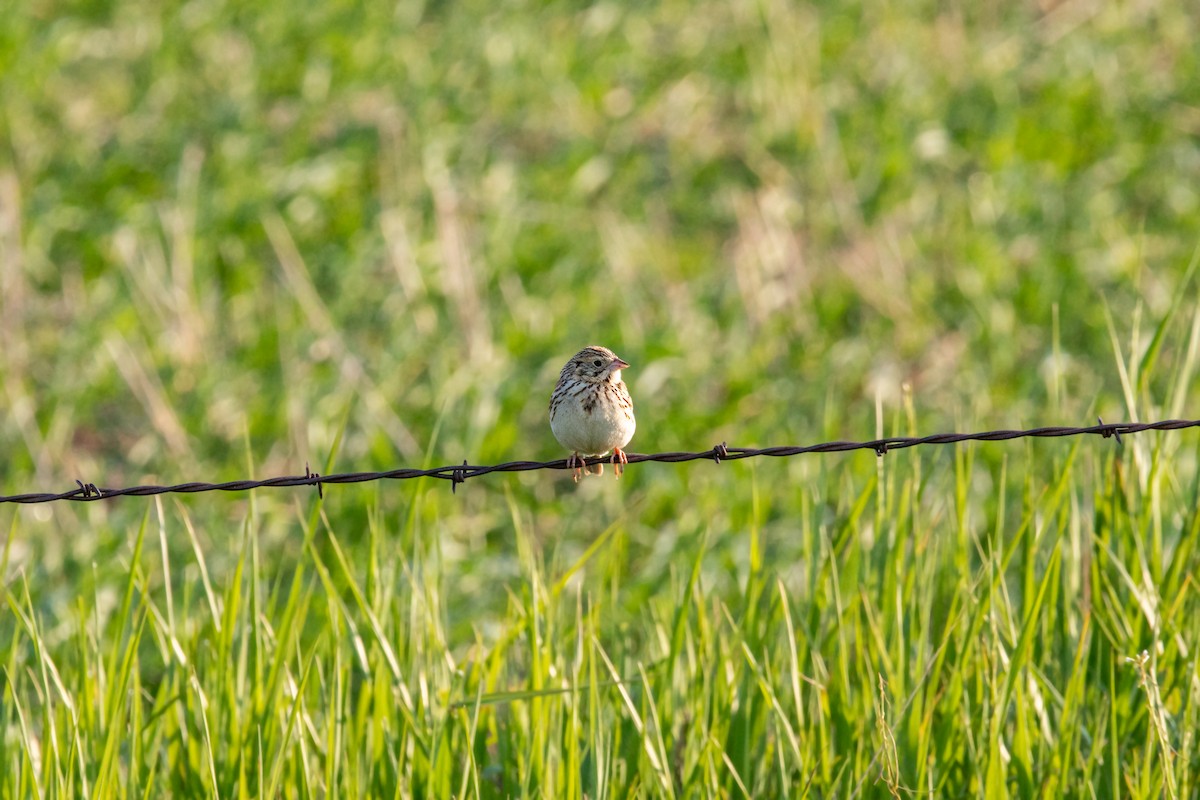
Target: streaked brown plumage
x=591 y=411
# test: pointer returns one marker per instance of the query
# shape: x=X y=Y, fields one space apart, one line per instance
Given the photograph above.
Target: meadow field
x=236 y=239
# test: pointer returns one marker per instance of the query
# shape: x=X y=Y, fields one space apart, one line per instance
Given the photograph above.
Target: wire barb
x=312 y=476
x=90 y=492
x=1110 y=431
x=459 y=474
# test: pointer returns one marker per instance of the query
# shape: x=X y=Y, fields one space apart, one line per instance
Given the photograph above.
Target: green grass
x=234 y=240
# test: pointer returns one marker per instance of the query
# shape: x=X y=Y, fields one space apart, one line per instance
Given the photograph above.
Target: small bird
x=591 y=411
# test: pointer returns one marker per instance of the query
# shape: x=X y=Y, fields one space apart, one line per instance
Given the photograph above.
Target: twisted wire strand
x=88 y=492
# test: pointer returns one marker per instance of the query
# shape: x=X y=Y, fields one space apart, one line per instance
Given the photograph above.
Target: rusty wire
x=88 y=492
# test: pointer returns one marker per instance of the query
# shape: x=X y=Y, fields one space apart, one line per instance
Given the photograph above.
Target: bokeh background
x=236 y=238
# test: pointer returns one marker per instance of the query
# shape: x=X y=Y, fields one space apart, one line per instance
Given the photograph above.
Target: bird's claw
x=574 y=462
x=579 y=464
x=619 y=460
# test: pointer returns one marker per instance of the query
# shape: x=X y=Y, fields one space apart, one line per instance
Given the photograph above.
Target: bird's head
x=595 y=364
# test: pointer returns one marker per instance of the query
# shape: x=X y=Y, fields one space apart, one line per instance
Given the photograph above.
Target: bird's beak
x=620 y=364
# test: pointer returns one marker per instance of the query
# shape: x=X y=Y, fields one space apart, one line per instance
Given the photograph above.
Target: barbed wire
x=87 y=492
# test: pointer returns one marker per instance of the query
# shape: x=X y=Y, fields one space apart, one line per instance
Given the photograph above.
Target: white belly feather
x=594 y=433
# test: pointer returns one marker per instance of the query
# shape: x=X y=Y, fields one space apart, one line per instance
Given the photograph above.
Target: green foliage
x=238 y=239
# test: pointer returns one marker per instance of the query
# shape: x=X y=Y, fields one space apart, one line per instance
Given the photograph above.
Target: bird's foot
x=576 y=463
x=619 y=460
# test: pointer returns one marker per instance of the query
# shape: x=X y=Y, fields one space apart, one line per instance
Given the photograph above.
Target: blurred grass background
x=235 y=239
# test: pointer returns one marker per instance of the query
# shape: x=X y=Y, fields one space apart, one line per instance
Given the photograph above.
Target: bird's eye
x=597 y=363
